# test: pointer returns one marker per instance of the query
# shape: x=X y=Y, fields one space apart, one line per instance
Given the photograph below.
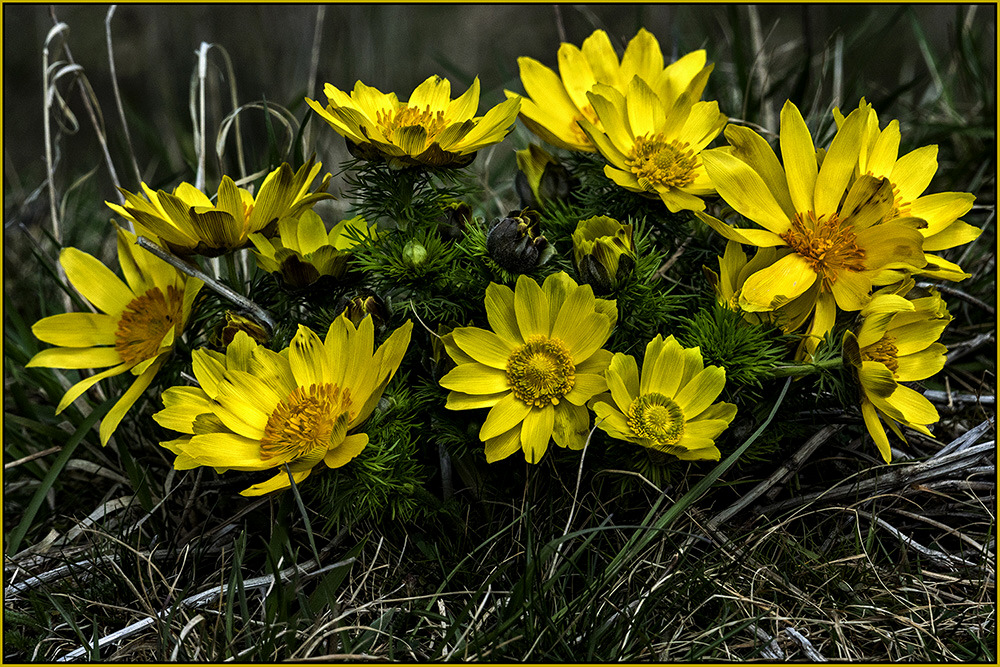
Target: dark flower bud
x=236 y=323
x=541 y=178
x=604 y=253
x=516 y=242
x=362 y=306
x=454 y=218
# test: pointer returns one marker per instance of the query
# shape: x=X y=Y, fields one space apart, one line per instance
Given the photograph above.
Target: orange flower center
x=656 y=417
x=144 y=323
x=657 y=162
x=883 y=352
x=829 y=247
x=303 y=425
x=432 y=121
x=541 y=371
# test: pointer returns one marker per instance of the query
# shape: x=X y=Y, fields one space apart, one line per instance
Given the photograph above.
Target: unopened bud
x=604 y=253
x=516 y=242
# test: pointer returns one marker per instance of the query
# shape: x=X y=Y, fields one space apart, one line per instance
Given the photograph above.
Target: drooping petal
x=571 y=426
x=776 y=285
x=536 y=431
x=347 y=450
x=507 y=413
x=503 y=445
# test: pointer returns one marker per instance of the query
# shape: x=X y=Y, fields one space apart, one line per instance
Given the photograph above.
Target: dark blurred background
x=931 y=66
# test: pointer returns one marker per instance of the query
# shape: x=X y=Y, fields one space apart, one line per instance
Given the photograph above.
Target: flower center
x=657 y=162
x=883 y=352
x=432 y=121
x=144 y=323
x=304 y=424
x=541 y=371
x=829 y=247
x=656 y=417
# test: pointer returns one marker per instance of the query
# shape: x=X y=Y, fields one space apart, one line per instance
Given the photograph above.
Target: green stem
x=799 y=370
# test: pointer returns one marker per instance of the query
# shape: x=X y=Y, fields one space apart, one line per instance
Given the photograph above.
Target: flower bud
x=236 y=323
x=455 y=217
x=414 y=253
x=604 y=253
x=362 y=306
x=516 y=242
x=541 y=178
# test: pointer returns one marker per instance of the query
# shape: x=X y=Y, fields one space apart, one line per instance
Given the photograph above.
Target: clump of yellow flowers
x=285 y=320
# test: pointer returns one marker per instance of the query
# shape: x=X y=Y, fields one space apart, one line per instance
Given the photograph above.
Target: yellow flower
x=603 y=252
x=839 y=233
x=669 y=407
x=136 y=329
x=430 y=129
x=554 y=104
x=257 y=409
x=188 y=223
x=538 y=367
x=910 y=175
x=654 y=148
x=304 y=251
x=897 y=342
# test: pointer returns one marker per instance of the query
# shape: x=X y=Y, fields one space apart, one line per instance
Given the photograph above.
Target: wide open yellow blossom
x=257 y=409
x=554 y=104
x=669 y=407
x=910 y=175
x=654 y=148
x=139 y=322
x=897 y=342
x=188 y=223
x=538 y=367
x=304 y=251
x=837 y=227
x=429 y=129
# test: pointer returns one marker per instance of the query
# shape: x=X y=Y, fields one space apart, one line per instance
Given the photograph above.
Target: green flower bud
x=541 y=178
x=516 y=242
x=604 y=253
x=414 y=253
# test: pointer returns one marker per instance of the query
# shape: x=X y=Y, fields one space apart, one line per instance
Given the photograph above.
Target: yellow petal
x=885 y=151
x=76 y=329
x=349 y=448
x=623 y=380
x=754 y=237
x=585 y=387
x=876 y=430
x=125 y=403
x=612 y=422
x=484 y=346
x=941 y=209
x=694 y=397
x=913 y=172
x=838 y=165
x=571 y=426
x=476 y=379
x=506 y=414
x=500 y=313
x=536 y=431
x=277 y=483
x=434 y=93
x=531 y=308
x=182 y=405
x=645 y=111
x=799 y=155
x=227 y=450
x=466 y=105
x=308 y=358
x=95 y=281
x=921 y=365
x=503 y=445
x=83 y=385
x=576 y=74
x=459 y=401
x=602 y=58
x=745 y=191
x=956 y=234
x=75 y=357
x=642 y=58
x=776 y=285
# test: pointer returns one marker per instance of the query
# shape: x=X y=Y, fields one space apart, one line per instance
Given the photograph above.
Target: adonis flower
x=669 y=407
x=654 y=148
x=555 y=103
x=897 y=342
x=538 y=367
x=429 y=129
x=603 y=252
x=837 y=227
x=910 y=175
x=304 y=251
x=139 y=322
x=188 y=223
x=256 y=409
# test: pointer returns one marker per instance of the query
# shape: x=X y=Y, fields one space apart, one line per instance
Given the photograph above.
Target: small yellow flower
x=304 y=251
x=669 y=407
x=652 y=148
x=835 y=225
x=603 y=252
x=430 y=129
x=897 y=342
x=188 y=223
x=910 y=175
x=136 y=329
x=555 y=103
x=538 y=367
x=256 y=409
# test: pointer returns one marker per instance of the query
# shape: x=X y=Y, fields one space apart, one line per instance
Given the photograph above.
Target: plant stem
x=799 y=370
